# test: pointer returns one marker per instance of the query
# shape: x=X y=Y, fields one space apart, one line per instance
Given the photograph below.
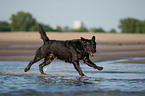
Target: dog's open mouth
x=91 y=54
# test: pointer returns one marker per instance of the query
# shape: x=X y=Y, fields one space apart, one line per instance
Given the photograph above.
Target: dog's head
x=89 y=45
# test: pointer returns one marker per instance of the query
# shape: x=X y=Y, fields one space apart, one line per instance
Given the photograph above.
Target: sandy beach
x=21 y=46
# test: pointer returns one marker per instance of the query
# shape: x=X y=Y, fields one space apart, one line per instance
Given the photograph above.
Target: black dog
x=71 y=51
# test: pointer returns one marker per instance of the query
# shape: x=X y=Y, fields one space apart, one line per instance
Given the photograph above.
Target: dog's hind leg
x=47 y=61
x=37 y=58
x=78 y=68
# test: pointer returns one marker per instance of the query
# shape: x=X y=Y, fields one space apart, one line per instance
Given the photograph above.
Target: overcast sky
x=97 y=13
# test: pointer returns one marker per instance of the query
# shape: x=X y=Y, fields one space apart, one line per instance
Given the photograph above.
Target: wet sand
x=142 y=61
x=21 y=46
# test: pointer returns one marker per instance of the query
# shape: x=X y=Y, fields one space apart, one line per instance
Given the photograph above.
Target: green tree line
x=23 y=21
x=132 y=25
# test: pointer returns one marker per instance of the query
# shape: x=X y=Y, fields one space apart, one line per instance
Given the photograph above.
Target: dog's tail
x=43 y=34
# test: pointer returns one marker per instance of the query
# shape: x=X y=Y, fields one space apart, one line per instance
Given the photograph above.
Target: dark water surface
x=117 y=79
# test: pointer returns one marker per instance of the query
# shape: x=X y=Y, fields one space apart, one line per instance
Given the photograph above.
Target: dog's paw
x=83 y=76
x=26 y=69
x=43 y=74
x=100 y=68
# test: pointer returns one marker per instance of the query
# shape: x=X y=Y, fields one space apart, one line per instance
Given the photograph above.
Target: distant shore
x=22 y=45
x=102 y=38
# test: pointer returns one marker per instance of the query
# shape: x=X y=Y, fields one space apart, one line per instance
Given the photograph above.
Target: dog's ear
x=93 y=38
x=83 y=40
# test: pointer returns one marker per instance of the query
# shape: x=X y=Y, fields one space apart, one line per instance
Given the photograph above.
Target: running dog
x=71 y=51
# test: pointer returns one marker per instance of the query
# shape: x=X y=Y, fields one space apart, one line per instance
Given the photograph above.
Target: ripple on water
x=63 y=78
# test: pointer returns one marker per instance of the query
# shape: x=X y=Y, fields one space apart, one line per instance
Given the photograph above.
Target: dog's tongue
x=92 y=54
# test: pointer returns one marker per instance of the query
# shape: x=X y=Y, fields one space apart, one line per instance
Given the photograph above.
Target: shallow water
x=62 y=79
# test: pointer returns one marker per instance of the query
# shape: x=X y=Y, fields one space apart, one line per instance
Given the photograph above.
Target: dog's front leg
x=78 y=68
x=91 y=64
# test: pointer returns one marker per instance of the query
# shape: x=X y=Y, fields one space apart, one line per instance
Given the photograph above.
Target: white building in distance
x=77 y=24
